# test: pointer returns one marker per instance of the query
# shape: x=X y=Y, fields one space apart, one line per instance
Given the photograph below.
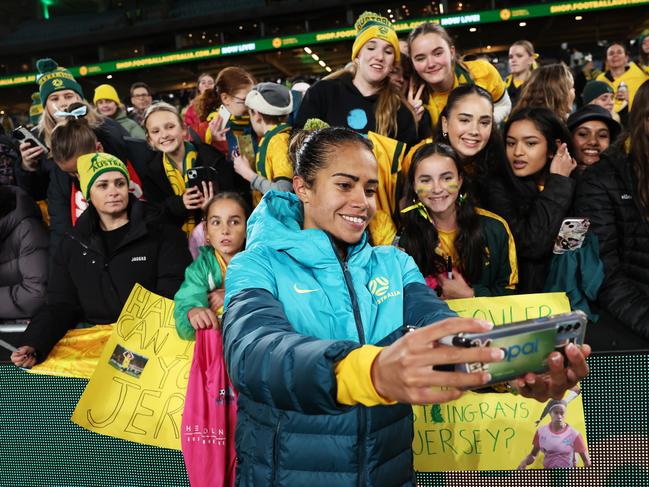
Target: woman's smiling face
x=164 y=131
x=437 y=184
x=469 y=125
x=590 y=139
x=432 y=58
x=375 y=61
x=342 y=198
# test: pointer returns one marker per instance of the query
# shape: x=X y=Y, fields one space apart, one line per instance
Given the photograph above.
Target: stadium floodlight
x=46 y=8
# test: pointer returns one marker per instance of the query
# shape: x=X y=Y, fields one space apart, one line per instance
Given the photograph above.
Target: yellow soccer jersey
x=389 y=154
x=480 y=72
x=633 y=77
x=272 y=161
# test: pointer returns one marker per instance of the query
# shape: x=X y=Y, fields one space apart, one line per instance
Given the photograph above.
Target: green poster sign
x=299 y=40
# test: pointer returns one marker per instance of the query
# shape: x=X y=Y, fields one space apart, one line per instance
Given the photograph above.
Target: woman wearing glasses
x=235 y=134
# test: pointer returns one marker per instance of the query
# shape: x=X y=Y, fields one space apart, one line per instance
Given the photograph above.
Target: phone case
x=571 y=235
x=224 y=113
x=22 y=134
x=200 y=174
x=246 y=148
x=527 y=344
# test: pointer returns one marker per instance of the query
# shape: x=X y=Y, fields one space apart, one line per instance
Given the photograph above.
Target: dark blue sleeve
x=272 y=364
x=421 y=306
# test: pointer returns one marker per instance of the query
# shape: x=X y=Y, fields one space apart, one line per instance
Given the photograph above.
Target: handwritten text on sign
x=138 y=390
x=487 y=431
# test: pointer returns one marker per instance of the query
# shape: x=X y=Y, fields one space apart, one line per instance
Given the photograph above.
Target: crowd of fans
x=521 y=158
x=475 y=176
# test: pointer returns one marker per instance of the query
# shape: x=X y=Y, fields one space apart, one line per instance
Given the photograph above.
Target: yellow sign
x=137 y=392
x=277 y=42
x=489 y=431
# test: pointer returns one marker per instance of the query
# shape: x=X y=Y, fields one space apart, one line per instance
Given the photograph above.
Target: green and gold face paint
x=424 y=189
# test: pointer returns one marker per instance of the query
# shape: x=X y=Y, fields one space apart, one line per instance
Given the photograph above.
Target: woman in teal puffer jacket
x=315 y=332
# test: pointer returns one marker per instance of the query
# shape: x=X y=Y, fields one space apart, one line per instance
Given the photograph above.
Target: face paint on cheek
x=423 y=189
x=452 y=187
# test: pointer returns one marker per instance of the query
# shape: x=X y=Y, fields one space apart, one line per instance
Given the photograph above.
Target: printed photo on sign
x=557 y=440
x=127 y=361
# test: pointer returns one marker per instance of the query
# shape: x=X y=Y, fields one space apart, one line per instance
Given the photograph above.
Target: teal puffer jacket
x=293 y=310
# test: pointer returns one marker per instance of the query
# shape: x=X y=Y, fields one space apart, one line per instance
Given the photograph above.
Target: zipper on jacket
x=276 y=451
x=355 y=308
x=362 y=413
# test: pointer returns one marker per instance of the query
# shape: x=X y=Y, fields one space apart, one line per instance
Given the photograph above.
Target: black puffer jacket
x=23 y=254
x=87 y=285
x=534 y=218
x=607 y=195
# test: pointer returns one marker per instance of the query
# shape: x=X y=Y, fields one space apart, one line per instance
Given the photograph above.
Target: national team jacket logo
x=380 y=287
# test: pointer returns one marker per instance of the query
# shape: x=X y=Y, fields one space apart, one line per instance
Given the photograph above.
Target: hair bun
x=75 y=105
x=78 y=117
x=295 y=144
x=298 y=138
x=315 y=124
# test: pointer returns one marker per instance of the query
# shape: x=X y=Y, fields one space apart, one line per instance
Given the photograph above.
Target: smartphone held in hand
x=526 y=344
x=571 y=235
x=202 y=174
x=23 y=135
x=224 y=113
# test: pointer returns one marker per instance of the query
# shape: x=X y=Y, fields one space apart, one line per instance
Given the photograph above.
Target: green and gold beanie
x=51 y=77
x=91 y=166
x=36 y=108
x=371 y=25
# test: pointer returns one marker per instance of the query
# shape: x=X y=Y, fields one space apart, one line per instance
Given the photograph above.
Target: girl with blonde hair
x=552 y=87
x=521 y=64
x=361 y=97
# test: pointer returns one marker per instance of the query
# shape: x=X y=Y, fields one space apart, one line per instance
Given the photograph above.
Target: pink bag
x=210 y=415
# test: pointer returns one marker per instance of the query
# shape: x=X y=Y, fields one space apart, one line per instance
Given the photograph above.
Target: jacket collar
x=277 y=223
x=87 y=229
